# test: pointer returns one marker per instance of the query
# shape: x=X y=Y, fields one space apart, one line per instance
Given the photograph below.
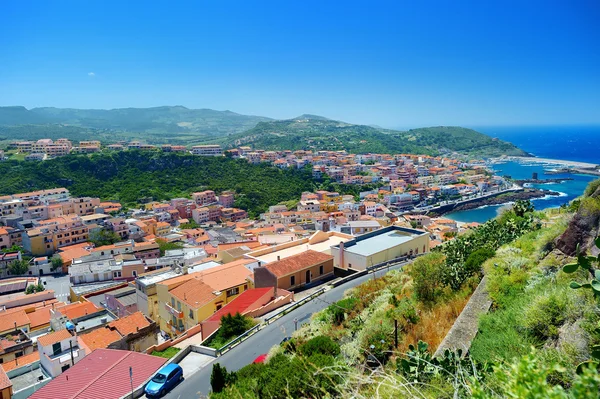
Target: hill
x=183 y=126
x=172 y=120
x=131 y=175
x=309 y=133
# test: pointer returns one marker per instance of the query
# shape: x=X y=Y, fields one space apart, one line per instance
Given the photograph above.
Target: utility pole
x=131 y=380
x=71 y=348
x=295 y=324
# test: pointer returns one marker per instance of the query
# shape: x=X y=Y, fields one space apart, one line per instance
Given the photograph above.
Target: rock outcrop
x=585 y=225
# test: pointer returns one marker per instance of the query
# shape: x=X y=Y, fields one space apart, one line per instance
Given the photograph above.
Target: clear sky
x=394 y=64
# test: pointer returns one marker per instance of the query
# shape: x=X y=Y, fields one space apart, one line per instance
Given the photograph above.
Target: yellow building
x=187 y=300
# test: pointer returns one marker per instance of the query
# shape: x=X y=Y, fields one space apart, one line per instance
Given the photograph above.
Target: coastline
x=499 y=199
x=546 y=161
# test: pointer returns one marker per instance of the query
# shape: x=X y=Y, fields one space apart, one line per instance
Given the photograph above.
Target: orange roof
x=100 y=338
x=8 y=320
x=194 y=293
x=71 y=252
x=78 y=309
x=21 y=361
x=4 y=380
x=40 y=317
x=297 y=263
x=130 y=324
x=249 y=244
x=54 y=337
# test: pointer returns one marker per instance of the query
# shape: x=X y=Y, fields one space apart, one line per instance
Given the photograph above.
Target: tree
x=104 y=237
x=427 y=272
x=219 y=378
x=164 y=245
x=18 y=267
x=56 y=262
x=30 y=289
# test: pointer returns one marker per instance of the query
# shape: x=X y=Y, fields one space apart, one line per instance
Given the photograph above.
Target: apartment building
x=207 y=150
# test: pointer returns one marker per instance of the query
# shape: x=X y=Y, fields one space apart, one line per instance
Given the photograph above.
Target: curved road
x=198 y=384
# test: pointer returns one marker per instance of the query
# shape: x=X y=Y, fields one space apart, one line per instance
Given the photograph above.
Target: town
x=81 y=275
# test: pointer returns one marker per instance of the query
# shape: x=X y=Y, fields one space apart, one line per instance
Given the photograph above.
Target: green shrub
x=341 y=308
x=319 y=344
x=476 y=259
x=546 y=314
x=426 y=273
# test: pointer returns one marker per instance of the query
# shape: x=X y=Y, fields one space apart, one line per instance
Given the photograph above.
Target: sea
x=570 y=143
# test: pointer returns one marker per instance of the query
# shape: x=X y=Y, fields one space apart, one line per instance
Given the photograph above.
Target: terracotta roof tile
x=296 y=263
x=21 y=361
x=78 y=309
x=8 y=320
x=100 y=338
x=54 y=337
x=194 y=293
x=130 y=324
x=4 y=380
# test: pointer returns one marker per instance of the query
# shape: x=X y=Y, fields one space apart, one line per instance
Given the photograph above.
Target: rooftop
x=54 y=337
x=130 y=324
x=380 y=242
x=103 y=373
x=194 y=293
x=100 y=338
x=241 y=303
x=78 y=309
x=297 y=262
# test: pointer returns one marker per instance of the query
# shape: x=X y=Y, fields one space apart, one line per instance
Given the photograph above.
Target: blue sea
x=573 y=143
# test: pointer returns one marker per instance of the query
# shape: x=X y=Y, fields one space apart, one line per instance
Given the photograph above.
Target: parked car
x=164 y=380
x=261 y=358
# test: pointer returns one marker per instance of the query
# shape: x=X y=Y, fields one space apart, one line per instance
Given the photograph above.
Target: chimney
x=278 y=257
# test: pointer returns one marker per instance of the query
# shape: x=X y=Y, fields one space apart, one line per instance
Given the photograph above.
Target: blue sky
x=394 y=64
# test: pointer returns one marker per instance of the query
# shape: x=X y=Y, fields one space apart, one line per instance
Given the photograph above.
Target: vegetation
x=308 y=132
x=18 y=267
x=164 y=246
x=167 y=353
x=56 y=262
x=231 y=328
x=182 y=125
x=104 y=237
x=132 y=175
x=33 y=288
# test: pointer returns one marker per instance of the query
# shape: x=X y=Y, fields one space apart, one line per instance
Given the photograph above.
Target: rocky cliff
x=585 y=225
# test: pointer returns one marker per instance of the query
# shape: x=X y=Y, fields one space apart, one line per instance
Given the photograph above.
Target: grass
x=167 y=353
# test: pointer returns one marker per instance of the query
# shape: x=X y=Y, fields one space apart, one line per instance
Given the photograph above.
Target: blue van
x=164 y=380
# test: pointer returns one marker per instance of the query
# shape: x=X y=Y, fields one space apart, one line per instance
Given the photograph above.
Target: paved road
x=198 y=384
x=60 y=284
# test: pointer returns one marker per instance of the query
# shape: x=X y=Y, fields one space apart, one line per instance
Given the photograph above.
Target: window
x=19 y=354
x=173 y=302
x=134 y=273
x=219 y=306
x=292 y=280
x=56 y=349
x=65 y=368
x=321 y=269
x=191 y=314
x=179 y=306
x=233 y=291
x=245 y=287
x=116 y=274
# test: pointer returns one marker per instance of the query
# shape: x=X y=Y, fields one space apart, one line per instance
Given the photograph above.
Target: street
x=59 y=284
x=198 y=384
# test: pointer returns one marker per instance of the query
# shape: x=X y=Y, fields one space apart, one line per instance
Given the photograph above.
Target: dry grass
x=433 y=324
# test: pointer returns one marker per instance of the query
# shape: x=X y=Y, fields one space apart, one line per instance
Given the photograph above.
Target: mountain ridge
x=184 y=126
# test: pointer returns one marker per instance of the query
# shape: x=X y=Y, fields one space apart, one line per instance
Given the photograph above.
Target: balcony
x=175 y=329
x=178 y=314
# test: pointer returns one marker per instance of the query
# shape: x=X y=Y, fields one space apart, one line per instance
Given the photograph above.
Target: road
x=198 y=384
x=60 y=284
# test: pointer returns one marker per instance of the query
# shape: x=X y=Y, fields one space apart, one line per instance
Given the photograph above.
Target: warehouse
x=379 y=246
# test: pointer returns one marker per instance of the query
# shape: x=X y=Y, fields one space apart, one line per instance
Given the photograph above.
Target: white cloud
x=91 y=74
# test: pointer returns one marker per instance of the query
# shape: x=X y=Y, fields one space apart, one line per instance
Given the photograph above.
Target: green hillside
x=319 y=133
x=131 y=175
x=176 y=120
